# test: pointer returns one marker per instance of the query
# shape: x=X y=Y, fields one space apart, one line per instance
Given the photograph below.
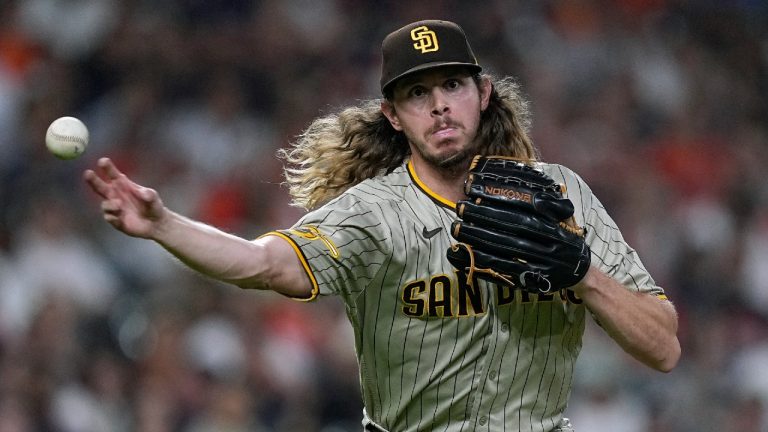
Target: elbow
x=672 y=351
x=669 y=361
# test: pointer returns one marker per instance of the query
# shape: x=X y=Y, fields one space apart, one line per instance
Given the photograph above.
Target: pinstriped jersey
x=437 y=353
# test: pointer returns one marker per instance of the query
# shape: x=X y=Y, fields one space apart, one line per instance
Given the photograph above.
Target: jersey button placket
x=490 y=362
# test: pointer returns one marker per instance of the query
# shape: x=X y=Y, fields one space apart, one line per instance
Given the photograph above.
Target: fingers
x=121 y=198
x=108 y=168
x=101 y=187
x=144 y=194
x=96 y=183
x=104 y=180
x=112 y=174
x=111 y=207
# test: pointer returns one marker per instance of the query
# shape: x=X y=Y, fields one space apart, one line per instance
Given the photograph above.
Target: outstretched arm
x=266 y=263
x=642 y=324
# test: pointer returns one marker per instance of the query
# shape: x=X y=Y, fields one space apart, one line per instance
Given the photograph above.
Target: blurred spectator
x=71 y=29
x=53 y=260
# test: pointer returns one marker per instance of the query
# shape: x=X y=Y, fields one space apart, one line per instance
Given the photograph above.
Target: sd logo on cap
x=424 y=45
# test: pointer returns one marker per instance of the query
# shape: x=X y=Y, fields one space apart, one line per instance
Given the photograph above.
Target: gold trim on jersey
x=430 y=193
x=304 y=263
x=311 y=232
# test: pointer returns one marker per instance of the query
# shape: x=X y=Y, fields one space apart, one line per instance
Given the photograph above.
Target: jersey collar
x=429 y=192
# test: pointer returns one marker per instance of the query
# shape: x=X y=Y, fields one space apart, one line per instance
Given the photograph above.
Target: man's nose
x=439 y=103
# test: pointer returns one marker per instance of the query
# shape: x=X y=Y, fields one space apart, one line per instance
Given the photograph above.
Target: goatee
x=455 y=164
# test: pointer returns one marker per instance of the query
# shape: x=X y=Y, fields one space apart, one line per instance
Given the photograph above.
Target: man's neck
x=446 y=182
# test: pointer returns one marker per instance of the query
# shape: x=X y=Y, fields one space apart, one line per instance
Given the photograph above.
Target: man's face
x=439 y=110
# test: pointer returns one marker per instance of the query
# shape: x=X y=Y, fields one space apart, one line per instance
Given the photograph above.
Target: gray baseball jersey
x=436 y=353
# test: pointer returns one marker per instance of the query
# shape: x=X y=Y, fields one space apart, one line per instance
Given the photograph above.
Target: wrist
x=164 y=225
x=587 y=284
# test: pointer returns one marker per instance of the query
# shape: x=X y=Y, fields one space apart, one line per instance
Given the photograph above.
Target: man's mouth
x=444 y=132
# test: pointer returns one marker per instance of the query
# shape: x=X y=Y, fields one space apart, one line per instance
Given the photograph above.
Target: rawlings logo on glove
x=517 y=228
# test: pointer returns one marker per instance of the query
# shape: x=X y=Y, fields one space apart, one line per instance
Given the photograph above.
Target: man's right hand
x=131 y=208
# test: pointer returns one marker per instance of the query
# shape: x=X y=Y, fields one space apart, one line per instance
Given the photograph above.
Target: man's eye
x=452 y=84
x=417 y=91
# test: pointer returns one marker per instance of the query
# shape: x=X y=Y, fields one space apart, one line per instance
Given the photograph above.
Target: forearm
x=212 y=252
x=643 y=325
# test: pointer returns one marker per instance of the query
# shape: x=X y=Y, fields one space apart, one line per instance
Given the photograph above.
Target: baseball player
x=437 y=349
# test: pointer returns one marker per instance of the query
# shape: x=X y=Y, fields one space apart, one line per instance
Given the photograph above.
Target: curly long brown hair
x=339 y=150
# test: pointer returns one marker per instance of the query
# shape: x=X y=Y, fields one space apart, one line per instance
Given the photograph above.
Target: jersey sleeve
x=342 y=245
x=610 y=252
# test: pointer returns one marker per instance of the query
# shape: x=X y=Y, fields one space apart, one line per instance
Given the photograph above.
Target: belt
x=564 y=426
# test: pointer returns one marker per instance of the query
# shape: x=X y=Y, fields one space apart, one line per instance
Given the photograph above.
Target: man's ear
x=389 y=112
x=486 y=88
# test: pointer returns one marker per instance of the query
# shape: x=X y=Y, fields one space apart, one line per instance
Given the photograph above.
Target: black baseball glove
x=517 y=228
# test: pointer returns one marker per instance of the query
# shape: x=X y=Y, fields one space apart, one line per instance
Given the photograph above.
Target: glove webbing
x=473 y=269
x=572 y=227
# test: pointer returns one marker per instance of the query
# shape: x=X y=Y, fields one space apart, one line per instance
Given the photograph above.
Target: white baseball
x=67 y=138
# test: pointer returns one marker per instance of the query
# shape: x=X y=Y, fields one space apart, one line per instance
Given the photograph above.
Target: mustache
x=444 y=123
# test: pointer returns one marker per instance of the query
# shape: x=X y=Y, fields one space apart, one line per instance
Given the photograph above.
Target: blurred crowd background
x=661 y=105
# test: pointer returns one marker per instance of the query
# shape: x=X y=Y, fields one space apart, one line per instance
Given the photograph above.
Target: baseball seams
x=437 y=352
x=69 y=138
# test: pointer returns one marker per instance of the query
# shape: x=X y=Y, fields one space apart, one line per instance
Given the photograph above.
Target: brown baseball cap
x=424 y=45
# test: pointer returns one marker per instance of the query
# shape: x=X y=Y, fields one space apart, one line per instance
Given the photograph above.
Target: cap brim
x=425 y=66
